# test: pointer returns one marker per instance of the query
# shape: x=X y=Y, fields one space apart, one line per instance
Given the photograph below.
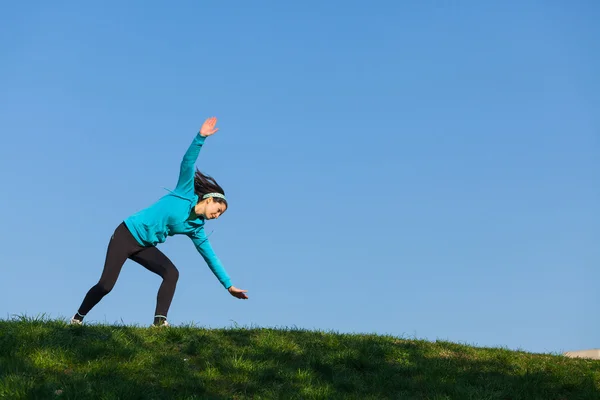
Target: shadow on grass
x=187 y=363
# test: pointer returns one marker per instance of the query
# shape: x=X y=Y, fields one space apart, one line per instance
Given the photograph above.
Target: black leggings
x=122 y=246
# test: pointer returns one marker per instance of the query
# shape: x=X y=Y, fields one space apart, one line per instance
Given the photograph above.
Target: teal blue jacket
x=172 y=215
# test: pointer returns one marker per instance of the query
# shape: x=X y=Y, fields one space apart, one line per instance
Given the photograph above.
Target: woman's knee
x=104 y=288
x=172 y=274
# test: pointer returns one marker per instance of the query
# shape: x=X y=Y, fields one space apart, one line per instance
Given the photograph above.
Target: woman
x=196 y=198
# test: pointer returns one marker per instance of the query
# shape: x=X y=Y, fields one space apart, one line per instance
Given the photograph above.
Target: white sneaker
x=75 y=321
x=162 y=324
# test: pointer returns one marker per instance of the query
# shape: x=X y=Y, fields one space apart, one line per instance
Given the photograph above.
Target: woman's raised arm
x=185 y=183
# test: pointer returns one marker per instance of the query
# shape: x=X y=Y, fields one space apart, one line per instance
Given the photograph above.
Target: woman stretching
x=196 y=198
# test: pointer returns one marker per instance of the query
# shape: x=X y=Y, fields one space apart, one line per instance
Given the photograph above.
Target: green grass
x=48 y=359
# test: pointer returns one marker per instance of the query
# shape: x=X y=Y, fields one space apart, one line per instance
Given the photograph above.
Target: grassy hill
x=48 y=359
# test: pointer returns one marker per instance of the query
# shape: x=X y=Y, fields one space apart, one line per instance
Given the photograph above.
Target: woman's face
x=212 y=209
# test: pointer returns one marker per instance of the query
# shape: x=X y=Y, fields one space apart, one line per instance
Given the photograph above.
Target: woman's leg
x=154 y=260
x=122 y=245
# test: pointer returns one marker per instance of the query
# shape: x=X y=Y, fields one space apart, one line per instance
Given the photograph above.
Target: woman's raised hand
x=208 y=128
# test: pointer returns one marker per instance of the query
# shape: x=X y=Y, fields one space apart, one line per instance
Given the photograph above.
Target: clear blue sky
x=422 y=171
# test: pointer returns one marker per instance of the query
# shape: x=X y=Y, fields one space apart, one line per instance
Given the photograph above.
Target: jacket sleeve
x=205 y=249
x=185 y=184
